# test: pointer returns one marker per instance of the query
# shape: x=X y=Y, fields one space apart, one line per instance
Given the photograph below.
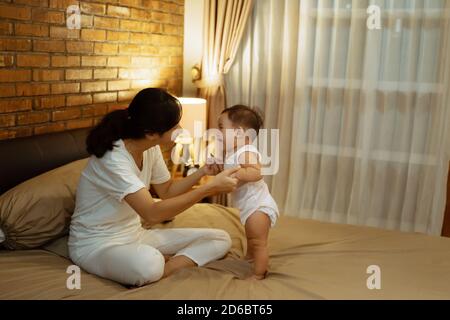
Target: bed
x=308 y=259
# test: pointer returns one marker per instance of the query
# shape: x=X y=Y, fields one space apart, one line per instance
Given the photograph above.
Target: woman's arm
x=157 y=212
x=173 y=188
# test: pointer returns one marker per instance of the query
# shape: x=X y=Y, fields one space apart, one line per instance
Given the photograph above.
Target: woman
x=106 y=236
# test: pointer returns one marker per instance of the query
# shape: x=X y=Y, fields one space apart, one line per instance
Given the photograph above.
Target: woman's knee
x=224 y=240
x=148 y=267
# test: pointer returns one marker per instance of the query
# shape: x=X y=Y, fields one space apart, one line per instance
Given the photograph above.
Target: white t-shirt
x=101 y=215
x=251 y=196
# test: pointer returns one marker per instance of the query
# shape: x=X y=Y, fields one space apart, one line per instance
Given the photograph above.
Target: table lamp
x=190 y=142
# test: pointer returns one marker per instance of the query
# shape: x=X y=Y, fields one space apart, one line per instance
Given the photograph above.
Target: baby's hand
x=212 y=167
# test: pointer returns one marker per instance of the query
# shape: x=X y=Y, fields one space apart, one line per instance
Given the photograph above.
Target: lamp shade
x=194 y=110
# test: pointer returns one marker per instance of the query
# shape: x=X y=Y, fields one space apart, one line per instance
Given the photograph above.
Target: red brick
x=117 y=106
x=131 y=25
x=126 y=95
x=94 y=111
x=60 y=88
x=140 y=14
x=106 y=48
x=117 y=11
x=53 y=127
x=62 y=4
x=52 y=102
x=66 y=114
x=6 y=60
x=34 y=30
x=14 y=75
x=79 y=47
x=93 y=35
x=33 y=117
x=143 y=61
x=6 y=28
x=77 y=124
x=105 y=97
x=140 y=38
x=129 y=49
x=78 y=74
x=93 y=61
x=33 y=3
x=105 y=73
x=64 y=33
x=65 y=61
x=44 y=15
x=32 y=89
x=79 y=100
x=161 y=17
x=93 y=86
x=141 y=73
x=118 y=36
x=7 y=90
x=149 y=50
x=176 y=61
x=48 y=46
x=7 y=120
x=48 y=75
x=118 y=61
x=93 y=8
x=118 y=85
x=15 y=45
x=15 y=105
x=140 y=84
x=33 y=60
x=106 y=23
x=15 y=133
x=14 y=12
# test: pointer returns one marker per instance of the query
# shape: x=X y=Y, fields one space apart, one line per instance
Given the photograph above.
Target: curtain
x=363 y=112
x=224 y=25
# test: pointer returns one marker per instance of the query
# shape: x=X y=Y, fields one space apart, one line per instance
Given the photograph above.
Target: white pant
x=143 y=262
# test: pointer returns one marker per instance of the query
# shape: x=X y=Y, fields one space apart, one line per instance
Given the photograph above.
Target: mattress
x=308 y=260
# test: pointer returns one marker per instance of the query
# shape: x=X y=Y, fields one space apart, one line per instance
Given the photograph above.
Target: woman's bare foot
x=176 y=263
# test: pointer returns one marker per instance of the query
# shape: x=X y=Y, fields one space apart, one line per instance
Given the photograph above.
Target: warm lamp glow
x=194 y=111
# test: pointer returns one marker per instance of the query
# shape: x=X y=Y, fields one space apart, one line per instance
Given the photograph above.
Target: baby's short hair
x=244 y=116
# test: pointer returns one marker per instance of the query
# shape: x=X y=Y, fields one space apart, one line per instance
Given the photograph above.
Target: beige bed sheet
x=308 y=260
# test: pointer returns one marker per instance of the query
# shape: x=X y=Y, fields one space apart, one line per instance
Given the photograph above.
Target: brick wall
x=53 y=78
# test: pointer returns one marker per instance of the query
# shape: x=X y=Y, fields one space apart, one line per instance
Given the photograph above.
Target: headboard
x=24 y=158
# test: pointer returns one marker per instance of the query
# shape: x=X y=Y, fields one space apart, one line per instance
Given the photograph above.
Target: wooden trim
x=446 y=226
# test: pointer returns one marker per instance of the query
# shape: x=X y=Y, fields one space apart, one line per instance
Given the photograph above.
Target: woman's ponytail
x=152 y=110
x=111 y=128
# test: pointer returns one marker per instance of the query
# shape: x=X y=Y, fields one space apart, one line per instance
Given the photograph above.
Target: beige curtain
x=364 y=114
x=224 y=25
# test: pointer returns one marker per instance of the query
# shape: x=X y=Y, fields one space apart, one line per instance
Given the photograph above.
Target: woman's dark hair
x=249 y=118
x=152 y=110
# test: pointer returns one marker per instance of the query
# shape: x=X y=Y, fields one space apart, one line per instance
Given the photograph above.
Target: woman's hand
x=212 y=167
x=224 y=182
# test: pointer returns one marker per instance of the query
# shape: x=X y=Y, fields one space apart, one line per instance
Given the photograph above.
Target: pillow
x=39 y=210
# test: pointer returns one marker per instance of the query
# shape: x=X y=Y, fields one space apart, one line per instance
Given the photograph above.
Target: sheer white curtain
x=363 y=114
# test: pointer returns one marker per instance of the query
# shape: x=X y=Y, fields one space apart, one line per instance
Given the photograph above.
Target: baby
x=258 y=209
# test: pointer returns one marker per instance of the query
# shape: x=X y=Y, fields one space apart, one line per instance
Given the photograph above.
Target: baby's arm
x=250 y=168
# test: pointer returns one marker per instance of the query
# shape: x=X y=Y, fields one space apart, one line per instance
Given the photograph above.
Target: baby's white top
x=251 y=196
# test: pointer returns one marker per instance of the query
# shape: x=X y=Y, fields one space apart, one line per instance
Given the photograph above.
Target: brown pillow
x=39 y=210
